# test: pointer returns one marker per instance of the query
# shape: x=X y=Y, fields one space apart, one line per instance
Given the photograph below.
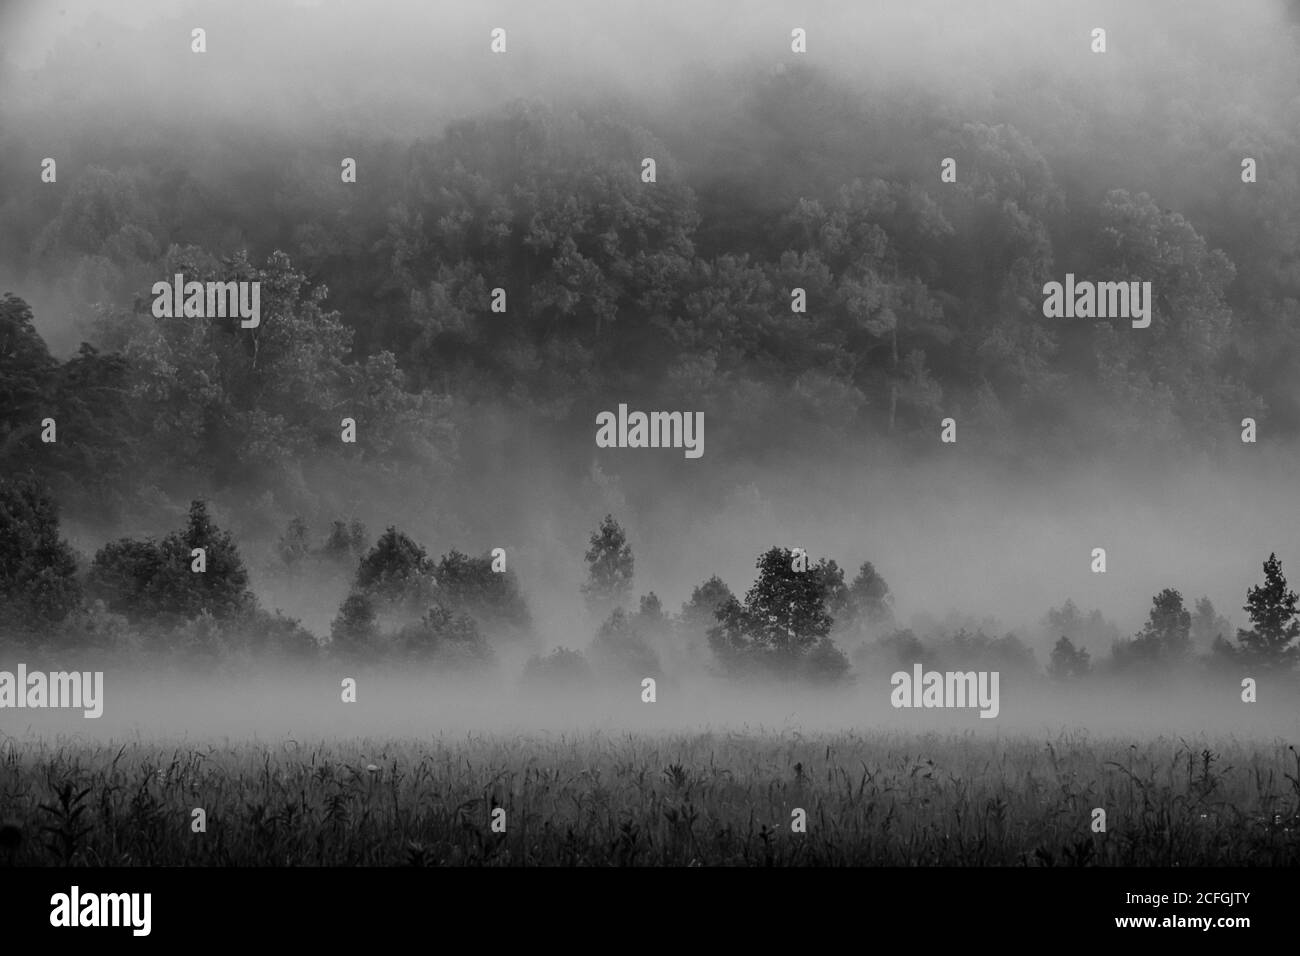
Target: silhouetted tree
x=609 y=568
x=1272 y=610
x=783 y=617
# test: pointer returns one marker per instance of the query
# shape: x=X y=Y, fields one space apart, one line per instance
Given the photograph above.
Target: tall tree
x=609 y=569
x=38 y=583
x=1272 y=611
x=26 y=379
x=1168 y=627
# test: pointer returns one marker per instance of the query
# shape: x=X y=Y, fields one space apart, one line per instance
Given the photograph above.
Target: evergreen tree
x=1272 y=610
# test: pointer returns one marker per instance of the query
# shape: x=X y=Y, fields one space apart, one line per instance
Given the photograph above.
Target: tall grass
x=640 y=799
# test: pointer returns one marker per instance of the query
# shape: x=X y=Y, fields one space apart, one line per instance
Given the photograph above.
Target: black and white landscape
x=673 y=434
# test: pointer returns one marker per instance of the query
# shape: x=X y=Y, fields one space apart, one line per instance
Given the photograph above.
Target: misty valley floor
x=645 y=799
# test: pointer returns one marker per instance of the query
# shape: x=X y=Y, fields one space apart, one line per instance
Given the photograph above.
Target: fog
x=278 y=705
x=998 y=530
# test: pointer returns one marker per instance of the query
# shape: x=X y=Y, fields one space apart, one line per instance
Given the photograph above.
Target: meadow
x=883 y=798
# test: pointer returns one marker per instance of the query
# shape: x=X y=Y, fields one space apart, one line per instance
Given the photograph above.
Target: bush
x=445 y=636
x=898 y=649
x=825 y=663
x=561 y=670
x=620 y=648
x=278 y=636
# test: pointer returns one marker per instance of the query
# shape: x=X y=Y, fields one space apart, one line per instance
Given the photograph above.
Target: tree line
x=189 y=594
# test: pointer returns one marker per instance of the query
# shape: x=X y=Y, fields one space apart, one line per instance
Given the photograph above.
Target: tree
x=1207 y=624
x=784 y=615
x=869 y=604
x=26 y=377
x=620 y=647
x=221 y=589
x=609 y=568
x=492 y=598
x=354 y=629
x=701 y=612
x=396 y=570
x=38 y=582
x=650 y=619
x=144 y=580
x=1091 y=629
x=1168 y=627
x=1272 y=610
x=1068 y=662
x=447 y=637
x=293 y=546
x=120 y=576
x=346 y=541
x=97 y=459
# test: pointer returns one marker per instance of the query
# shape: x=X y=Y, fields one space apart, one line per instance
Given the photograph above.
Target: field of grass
x=639 y=799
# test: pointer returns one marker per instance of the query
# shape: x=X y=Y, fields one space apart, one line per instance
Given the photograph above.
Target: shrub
x=561 y=670
x=445 y=636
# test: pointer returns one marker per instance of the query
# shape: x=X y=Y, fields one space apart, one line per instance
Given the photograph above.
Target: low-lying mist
x=959 y=532
x=305 y=705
